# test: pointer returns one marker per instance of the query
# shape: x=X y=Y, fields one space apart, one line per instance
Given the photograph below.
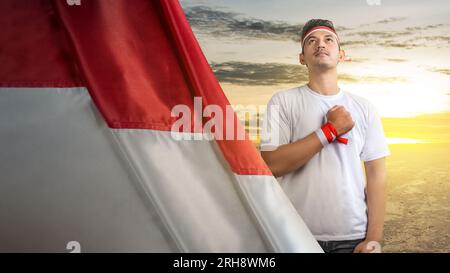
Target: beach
x=418 y=204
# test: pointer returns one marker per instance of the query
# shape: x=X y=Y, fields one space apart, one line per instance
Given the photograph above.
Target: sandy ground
x=418 y=206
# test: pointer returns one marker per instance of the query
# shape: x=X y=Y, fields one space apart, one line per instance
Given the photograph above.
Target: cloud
x=231 y=24
x=445 y=71
x=246 y=73
x=409 y=44
x=386 y=21
x=396 y=40
x=193 y=2
x=358 y=60
x=398 y=44
x=408 y=38
x=418 y=28
x=391 y=20
x=219 y=22
x=353 y=43
x=435 y=38
x=396 y=60
x=381 y=34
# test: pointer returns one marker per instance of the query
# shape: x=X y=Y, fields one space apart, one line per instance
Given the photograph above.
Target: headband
x=323 y=28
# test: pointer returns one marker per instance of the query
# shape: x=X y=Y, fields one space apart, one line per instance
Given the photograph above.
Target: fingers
x=334 y=108
x=358 y=248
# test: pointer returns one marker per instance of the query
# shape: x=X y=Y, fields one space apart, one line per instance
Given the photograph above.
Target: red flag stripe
x=138 y=59
x=33 y=51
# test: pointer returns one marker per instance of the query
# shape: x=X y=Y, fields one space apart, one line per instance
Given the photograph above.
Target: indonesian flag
x=89 y=153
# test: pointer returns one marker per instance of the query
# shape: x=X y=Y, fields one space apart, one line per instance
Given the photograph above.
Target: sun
x=403 y=90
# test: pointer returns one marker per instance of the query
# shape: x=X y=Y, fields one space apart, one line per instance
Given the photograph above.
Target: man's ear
x=341 y=55
x=301 y=58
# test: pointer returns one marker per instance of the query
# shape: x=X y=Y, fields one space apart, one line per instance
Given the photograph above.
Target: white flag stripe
x=70 y=177
x=276 y=215
x=63 y=180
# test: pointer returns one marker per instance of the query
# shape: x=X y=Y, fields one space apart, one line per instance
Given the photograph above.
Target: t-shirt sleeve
x=375 y=144
x=275 y=130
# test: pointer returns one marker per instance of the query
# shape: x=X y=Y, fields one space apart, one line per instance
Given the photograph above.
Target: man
x=323 y=135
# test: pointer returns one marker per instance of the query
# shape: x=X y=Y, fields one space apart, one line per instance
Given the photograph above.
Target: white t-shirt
x=329 y=190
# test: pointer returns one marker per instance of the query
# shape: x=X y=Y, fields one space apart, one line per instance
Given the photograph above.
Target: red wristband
x=331 y=134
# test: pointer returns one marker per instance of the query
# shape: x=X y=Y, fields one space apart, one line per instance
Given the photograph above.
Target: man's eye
x=311 y=41
x=330 y=40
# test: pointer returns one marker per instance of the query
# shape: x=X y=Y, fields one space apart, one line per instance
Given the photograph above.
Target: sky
x=399 y=53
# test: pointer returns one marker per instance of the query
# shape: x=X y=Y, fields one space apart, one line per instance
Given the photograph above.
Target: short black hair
x=315 y=23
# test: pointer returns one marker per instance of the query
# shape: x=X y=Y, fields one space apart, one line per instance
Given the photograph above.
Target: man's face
x=321 y=50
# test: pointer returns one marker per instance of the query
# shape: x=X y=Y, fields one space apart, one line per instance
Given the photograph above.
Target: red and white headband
x=323 y=28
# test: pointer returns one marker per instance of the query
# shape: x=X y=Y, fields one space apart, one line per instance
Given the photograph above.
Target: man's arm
x=376 y=202
x=289 y=157
x=292 y=156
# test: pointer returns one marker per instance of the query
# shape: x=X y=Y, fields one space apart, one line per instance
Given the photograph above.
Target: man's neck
x=324 y=83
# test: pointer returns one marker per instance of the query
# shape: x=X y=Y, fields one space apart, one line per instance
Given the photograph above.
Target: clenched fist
x=341 y=119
